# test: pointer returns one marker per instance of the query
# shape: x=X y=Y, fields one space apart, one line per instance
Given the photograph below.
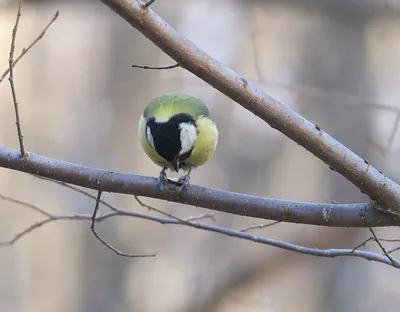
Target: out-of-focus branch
x=340 y=215
x=329 y=253
x=189 y=56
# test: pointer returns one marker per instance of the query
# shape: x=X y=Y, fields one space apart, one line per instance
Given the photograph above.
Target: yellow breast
x=205 y=144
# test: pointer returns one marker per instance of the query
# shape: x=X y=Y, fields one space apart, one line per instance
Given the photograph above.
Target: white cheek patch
x=149 y=137
x=188 y=136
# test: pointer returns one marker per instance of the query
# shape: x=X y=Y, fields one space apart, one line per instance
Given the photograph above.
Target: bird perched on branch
x=177 y=132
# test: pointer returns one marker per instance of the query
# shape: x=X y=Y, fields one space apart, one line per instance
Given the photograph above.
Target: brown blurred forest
x=336 y=62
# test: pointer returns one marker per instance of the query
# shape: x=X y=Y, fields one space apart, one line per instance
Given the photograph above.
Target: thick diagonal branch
x=189 y=56
x=340 y=215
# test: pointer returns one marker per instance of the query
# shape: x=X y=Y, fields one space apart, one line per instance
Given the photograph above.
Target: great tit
x=177 y=132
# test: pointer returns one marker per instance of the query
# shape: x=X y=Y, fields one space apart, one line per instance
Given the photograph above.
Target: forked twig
x=394 y=263
x=362 y=244
x=25 y=50
x=96 y=208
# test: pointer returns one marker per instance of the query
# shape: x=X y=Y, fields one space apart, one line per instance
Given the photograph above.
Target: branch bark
x=310 y=136
x=339 y=215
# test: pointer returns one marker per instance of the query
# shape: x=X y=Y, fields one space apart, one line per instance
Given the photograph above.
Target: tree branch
x=338 y=157
x=330 y=253
x=339 y=215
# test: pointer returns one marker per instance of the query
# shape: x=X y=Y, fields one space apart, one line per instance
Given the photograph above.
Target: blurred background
x=335 y=62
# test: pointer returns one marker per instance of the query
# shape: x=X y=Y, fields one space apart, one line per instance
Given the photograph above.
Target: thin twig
x=96 y=208
x=391 y=250
x=51 y=218
x=383 y=248
x=210 y=215
x=258 y=226
x=25 y=50
x=162 y=212
x=11 y=79
x=20 y=202
x=363 y=243
x=155 y=67
x=78 y=190
x=148 y=3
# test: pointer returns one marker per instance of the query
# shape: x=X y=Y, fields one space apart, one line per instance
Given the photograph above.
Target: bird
x=176 y=132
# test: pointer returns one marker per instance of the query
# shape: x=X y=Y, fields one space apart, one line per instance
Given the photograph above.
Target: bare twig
x=156 y=67
x=25 y=50
x=391 y=250
x=331 y=253
x=258 y=226
x=394 y=263
x=210 y=215
x=372 y=238
x=367 y=178
x=78 y=190
x=183 y=221
x=96 y=208
x=363 y=243
x=11 y=79
x=51 y=218
x=22 y=203
x=148 y=3
x=343 y=215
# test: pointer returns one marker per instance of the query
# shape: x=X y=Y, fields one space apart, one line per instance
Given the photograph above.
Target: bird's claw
x=183 y=182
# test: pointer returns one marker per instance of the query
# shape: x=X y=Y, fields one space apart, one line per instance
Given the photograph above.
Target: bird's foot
x=183 y=182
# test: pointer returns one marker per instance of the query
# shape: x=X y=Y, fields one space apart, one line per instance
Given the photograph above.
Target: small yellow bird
x=177 y=132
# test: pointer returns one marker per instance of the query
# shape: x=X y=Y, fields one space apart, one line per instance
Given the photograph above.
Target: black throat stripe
x=167 y=136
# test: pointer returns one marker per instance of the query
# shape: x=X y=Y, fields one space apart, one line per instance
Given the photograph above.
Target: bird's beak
x=175 y=163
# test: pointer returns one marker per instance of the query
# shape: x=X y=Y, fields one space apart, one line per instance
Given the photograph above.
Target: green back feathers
x=169 y=104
